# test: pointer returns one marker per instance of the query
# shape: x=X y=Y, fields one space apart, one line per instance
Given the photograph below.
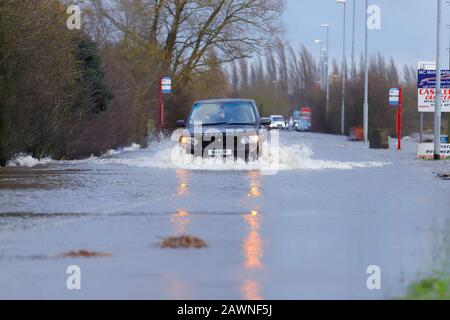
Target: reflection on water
x=251 y=290
x=255 y=185
x=253 y=242
x=180 y=221
x=178 y=290
x=183 y=186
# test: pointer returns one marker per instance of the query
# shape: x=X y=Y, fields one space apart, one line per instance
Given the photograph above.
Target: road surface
x=310 y=231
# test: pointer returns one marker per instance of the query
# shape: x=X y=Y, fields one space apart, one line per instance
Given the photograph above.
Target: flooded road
x=309 y=231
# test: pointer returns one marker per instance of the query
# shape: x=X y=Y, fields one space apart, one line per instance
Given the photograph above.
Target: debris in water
x=183 y=242
x=444 y=176
x=85 y=254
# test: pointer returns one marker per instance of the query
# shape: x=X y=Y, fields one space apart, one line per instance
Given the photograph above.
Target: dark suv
x=228 y=128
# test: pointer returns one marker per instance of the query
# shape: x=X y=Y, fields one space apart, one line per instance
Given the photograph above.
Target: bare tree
x=271 y=67
x=283 y=66
x=234 y=77
x=183 y=31
x=243 y=66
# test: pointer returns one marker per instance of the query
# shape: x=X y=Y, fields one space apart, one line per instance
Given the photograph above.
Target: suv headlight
x=188 y=141
x=250 y=140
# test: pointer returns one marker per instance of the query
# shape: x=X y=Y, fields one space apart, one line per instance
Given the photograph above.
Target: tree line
x=51 y=81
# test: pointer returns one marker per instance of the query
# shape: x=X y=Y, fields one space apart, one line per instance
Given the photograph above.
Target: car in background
x=305 y=122
x=223 y=128
x=302 y=119
x=295 y=123
x=278 y=122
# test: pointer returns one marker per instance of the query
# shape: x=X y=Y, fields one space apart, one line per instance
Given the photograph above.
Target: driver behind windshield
x=223 y=114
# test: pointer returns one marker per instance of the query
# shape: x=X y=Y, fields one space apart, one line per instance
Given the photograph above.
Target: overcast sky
x=408 y=28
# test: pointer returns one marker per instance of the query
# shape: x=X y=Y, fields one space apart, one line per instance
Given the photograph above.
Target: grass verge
x=434 y=288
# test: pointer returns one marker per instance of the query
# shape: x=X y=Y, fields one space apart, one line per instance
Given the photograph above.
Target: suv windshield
x=223 y=113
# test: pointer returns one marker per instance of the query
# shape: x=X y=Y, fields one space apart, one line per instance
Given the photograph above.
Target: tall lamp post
x=319 y=42
x=327 y=63
x=366 y=78
x=437 y=112
x=353 y=39
x=448 y=114
x=448 y=26
x=344 y=68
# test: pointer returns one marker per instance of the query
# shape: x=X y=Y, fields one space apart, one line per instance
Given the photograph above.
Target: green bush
x=435 y=288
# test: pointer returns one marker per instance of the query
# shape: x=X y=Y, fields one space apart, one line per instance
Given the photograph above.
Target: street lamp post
x=327 y=63
x=437 y=112
x=319 y=42
x=448 y=26
x=344 y=68
x=448 y=114
x=366 y=78
x=324 y=57
x=448 y=2
x=353 y=40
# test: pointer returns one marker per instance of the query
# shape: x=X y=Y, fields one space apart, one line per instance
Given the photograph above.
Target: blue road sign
x=394 y=97
x=427 y=79
x=166 y=85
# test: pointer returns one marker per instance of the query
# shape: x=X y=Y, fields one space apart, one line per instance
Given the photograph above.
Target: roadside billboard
x=426 y=151
x=426 y=90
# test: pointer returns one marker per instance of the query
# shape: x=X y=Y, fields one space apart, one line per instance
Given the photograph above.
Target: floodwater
x=309 y=230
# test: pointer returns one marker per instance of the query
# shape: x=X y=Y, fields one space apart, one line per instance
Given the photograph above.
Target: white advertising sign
x=426 y=151
x=427 y=100
x=426 y=87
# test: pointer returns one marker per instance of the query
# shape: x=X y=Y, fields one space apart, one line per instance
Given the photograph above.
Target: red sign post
x=160 y=107
x=165 y=87
x=399 y=120
x=396 y=99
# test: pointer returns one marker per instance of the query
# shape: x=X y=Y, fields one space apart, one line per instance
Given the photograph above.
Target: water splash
x=166 y=155
x=114 y=152
x=25 y=160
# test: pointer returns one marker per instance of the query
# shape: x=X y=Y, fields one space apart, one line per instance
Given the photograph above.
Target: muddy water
x=309 y=229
